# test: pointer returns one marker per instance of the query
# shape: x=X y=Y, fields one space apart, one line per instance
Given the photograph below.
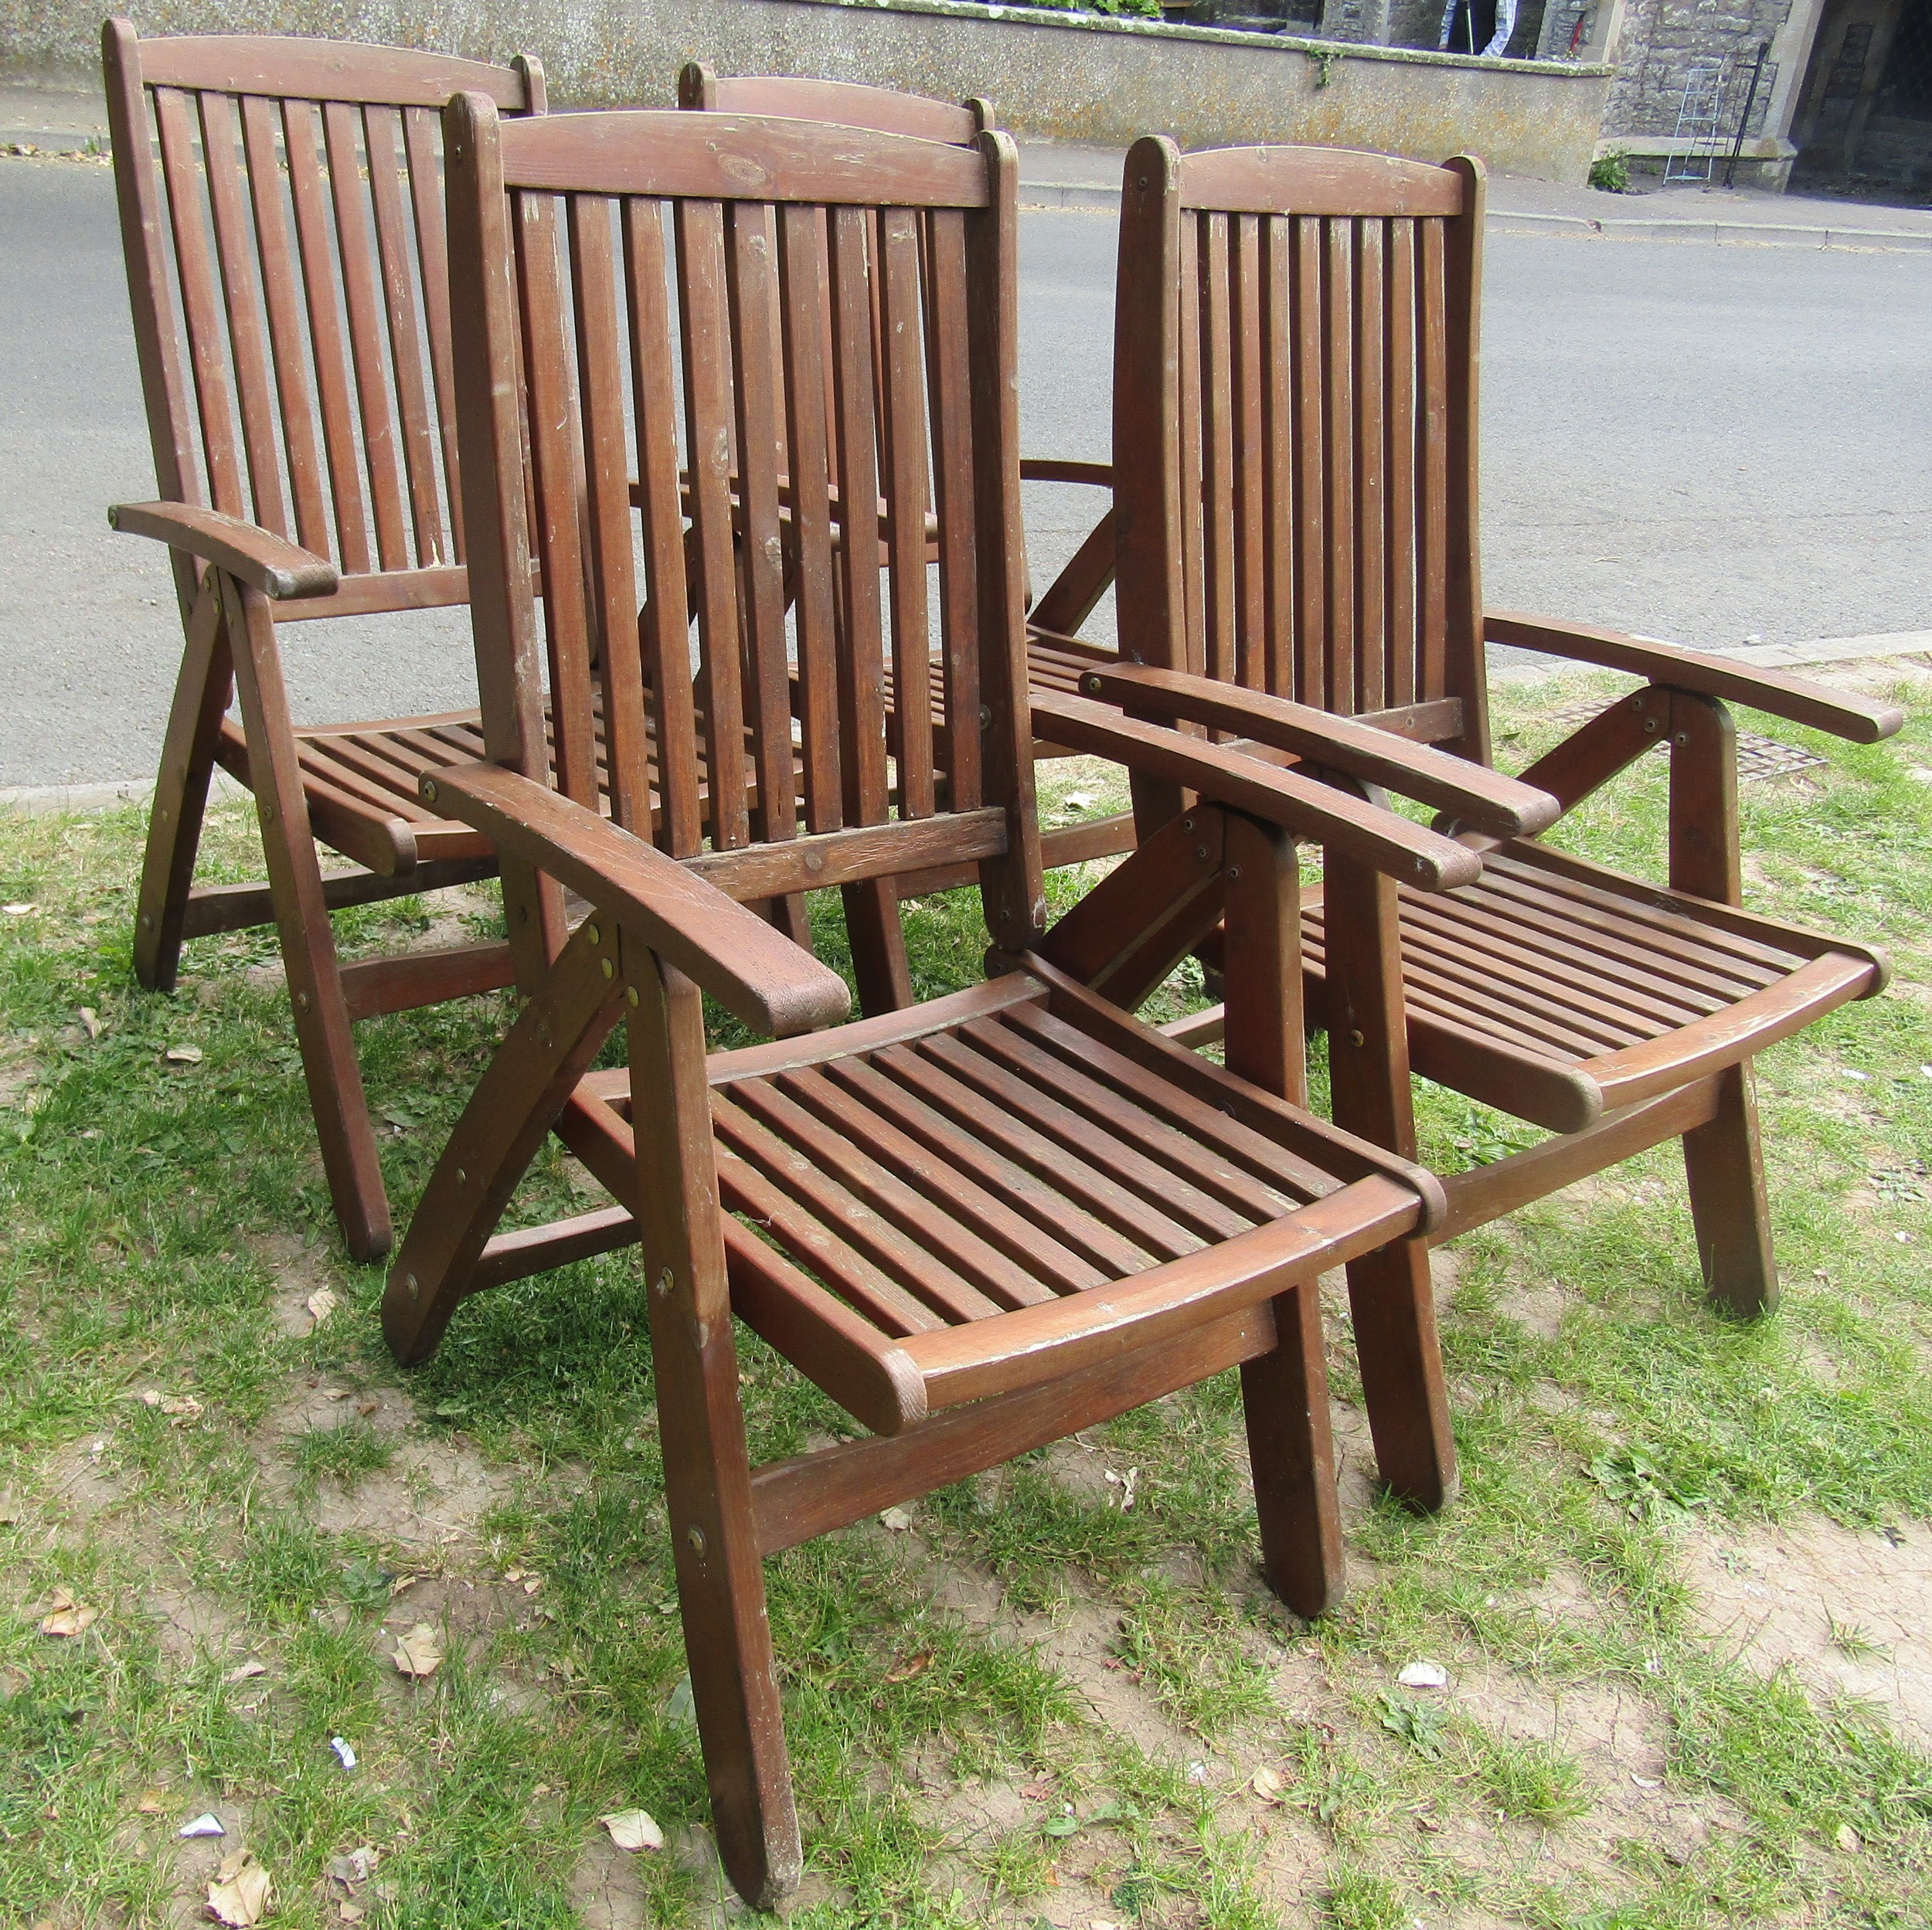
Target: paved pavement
x=1707 y=443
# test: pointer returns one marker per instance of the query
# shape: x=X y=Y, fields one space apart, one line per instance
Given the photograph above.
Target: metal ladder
x=1699 y=121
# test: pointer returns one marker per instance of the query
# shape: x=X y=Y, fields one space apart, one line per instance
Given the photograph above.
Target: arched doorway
x=1864 y=124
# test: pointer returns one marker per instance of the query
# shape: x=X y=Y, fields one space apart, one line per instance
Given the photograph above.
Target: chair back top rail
x=849 y=102
x=1295 y=424
x=282 y=218
x=669 y=291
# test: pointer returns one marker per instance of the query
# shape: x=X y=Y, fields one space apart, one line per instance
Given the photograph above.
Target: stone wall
x=1070 y=76
x=1664 y=40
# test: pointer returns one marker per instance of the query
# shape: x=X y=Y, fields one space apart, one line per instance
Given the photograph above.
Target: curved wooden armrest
x=1358 y=829
x=1097 y=475
x=1795 y=698
x=269 y=563
x=1478 y=798
x=750 y=967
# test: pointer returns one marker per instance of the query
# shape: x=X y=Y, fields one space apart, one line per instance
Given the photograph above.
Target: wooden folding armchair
x=1295 y=442
x=978 y=1224
x=1055 y=656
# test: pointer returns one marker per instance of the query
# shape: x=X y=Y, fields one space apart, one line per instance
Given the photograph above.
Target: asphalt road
x=1697 y=442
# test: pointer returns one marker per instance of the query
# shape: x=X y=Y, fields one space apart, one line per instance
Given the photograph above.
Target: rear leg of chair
x=1390 y=1292
x=322 y=1027
x=707 y=1472
x=181 y=793
x=1725 y=1165
x=878 y=942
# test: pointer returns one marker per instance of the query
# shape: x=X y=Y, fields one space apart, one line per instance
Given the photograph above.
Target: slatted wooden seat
x=977 y=1223
x=1295 y=370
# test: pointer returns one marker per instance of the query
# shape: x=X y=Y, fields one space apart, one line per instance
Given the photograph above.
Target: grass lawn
x=1684 y=1603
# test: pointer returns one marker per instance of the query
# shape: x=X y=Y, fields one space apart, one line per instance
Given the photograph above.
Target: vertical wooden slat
x=235 y=248
x=1337 y=344
x=280 y=296
x=862 y=662
x=195 y=264
x=1277 y=459
x=702 y=300
x=802 y=267
x=751 y=276
x=381 y=130
x=663 y=625
x=1192 y=490
x=432 y=251
x=1310 y=490
x=946 y=376
x=339 y=124
x=1399 y=685
x=1249 y=372
x=1370 y=508
x=1217 y=437
x=301 y=124
x=1465 y=666
x=906 y=494
x=607 y=482
x=558 y=531
x=1432 y=516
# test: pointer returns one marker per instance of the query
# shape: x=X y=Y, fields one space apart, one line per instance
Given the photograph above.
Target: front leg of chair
x=1285 y=1394
x=301 y=918
x=1723 y=1159
x=202 y=692
x=707 y=1472
x=1390 y=1293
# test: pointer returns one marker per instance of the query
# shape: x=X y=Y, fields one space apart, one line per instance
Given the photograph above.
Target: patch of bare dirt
x=299 y=1268
x=79 y=1483
x=1849 y=1611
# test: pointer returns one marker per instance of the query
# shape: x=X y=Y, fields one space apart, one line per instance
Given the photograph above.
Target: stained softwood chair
x=282 y=220
x=1056 y=657
x=977 y=1224
x=1295 y=442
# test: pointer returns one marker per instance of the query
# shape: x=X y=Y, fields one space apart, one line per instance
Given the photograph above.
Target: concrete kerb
x=1761 y=234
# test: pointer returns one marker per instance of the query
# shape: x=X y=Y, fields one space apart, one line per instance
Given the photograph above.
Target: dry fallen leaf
x=321 y=1303
x=420 y=1652
x=1423 y=1675
x=243 y=1671
x=19 y=911
x=1267 y=1784
x=90 y=1019
x=897 y=1520
x=633 y=1830
x=354 y=1868
x=1849 y=1840
x=913 y=1666
x=239 y=1895
x=66 y=1617
x=185 y=1409
x=151 y=1803
x=182 y=1055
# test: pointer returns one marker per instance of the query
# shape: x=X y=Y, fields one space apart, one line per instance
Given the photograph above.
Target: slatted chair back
x=282 y=218
x=1310 y=374
x=671 y=272
x=849 y=103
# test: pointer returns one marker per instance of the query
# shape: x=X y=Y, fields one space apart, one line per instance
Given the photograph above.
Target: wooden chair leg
x=1722 y=1160
x=320 y=1012
x=1285 y=1394
x=181 y=793
x=1725 y=1165
x=1390 y=1292
x=878 y=942
x=707 y=1471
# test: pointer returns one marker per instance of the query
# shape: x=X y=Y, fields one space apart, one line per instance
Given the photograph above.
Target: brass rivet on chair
x=663 y=1282
x=146 y=922
x=462 y=1178
x=410 y=1281
x=630 y=995
x=1093 y=687
x=985 y=716
x=301 y=999
x=1354 y=1038
x=1187 y=823
x=595 y=936
x=1234 y=874
x=429 y=790
x=1201 y=852
x=609 y=969
x=694 y=1535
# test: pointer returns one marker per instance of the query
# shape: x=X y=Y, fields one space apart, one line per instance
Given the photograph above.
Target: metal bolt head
x=301 y=1000
x=429 y=790
x=1201 y=852
x=462 y=1178
x=1682 y=739
x=1187 y=823
x=630 y=995
x=694 y=1535
x=610 y=970
x=663 y=1283
x=415 y=1286
x=1355 y=1038
x=1234 y=874
x=985 y=716
x=146 y=922
x=1650 y=726
x=1093 y=684
x=595 y=936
